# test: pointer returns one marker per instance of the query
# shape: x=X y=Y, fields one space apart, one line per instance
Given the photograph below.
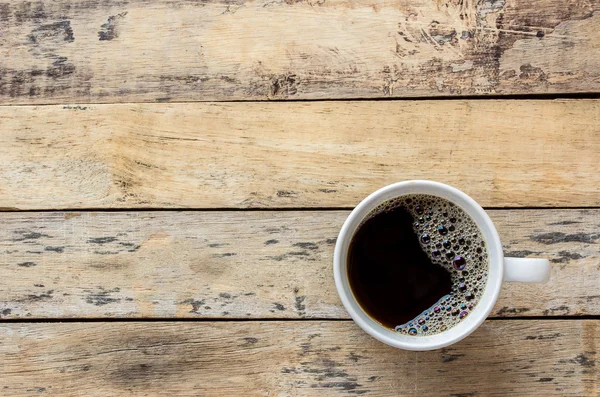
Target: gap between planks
x=253 y=320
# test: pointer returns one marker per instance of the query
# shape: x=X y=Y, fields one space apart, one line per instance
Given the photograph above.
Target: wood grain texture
x=248 y=265
x=180 y=50
x=525 y=358
x=502 y=153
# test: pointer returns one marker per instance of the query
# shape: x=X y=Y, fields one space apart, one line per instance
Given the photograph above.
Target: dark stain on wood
x=105 y=252
x=54 y=249
x=323 y=368
x=305 y=347
x=590 y=298
x=545 y=379
x=310 y=246
x=145 y=165
x=216 y=245
x=272 y=241
x=30 y=11
x=249 y=342
x=521 y=254
x=327 y=374
x=283 y=85
x=131 y=247
x=566 y=256
x=279 y=306
x=331 y=241
x=225 y=295
x=101 y=240
x=286 y=193
x=531 y=76
x=304 y=255
x=328 y=190
x=39 y=297
x=225 y=255
x=61 y=29
x=554 y=310
x=512 y=310
x=110 y=30
x=582 y=359
x=543 y=337
x=354 y=357
x=229 y=79
x=469 y=394
x=563 y=223
x=6 y=312
x=102 y=297
x=559 y=237
x=345 y=386
x=4 y=12
x=300 y=306
x=60 y=68
x=28 y=235
x=69 y=107
x=196 y=304
x=27 y=264
x=37 y=389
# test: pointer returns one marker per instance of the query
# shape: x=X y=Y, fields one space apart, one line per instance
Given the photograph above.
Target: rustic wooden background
x=174 y=173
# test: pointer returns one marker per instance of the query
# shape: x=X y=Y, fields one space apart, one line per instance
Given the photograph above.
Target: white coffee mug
x=500 y=268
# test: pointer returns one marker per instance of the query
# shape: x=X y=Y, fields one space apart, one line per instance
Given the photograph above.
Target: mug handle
x=526 y=270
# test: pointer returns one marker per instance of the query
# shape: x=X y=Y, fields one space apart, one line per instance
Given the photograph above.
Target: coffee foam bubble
x=451 y=239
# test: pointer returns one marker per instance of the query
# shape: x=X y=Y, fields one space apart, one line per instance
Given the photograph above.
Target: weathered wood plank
x=502 y=153
x=247 y=264
x=525 y=358
x=174 y=50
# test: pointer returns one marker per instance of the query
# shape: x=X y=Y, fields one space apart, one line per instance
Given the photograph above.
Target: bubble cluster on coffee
x=451 y=239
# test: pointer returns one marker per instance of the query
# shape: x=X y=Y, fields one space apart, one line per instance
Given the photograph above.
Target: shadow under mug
x=500 y=268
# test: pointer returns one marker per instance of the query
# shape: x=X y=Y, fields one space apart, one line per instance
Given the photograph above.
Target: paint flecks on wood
x=100 y=296
x=424 y=48
x=61 y=30
x=202 y=264
x=110 y=29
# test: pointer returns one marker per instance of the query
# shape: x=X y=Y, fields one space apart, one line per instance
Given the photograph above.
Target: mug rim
x=494 y=278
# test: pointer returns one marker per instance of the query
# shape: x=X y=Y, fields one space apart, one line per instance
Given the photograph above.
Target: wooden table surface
x=174 y=173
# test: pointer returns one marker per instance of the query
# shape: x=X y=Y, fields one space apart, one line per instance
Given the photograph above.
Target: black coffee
x=417 y=264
